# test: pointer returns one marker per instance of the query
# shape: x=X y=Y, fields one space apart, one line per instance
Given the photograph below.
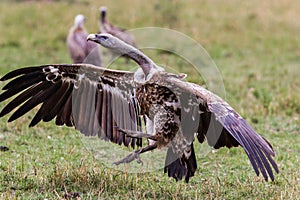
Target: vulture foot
x=136 y=155
x=136 y=134
x=129 y=158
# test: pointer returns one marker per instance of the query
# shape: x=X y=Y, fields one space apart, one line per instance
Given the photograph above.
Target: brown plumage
x=80 y=50
x=110 y=104
x=68 y=96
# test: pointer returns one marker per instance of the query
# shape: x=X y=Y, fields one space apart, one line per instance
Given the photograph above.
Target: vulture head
x=118 y=46
x=110 y=42
x=79 y=20
x=102 y=9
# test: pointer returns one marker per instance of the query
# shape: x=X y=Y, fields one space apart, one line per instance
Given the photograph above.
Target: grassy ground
x=256 y=47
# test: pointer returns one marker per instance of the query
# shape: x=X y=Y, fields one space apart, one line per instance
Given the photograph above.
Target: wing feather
x=33 y=101
x=103 y=117
x=61 y=99
x=80 y=95
x=109 y=118
x=258 y=150
x=18 y=85
x=52 y=105
x=21 y=71
x=65 y=115
x=222 y=126
x=90 y=118
x=99 y=111
x=23 y=97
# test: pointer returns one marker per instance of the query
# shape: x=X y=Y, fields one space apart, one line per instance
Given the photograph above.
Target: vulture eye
x=103 y=37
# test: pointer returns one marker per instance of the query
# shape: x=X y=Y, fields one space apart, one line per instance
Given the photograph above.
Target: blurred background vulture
x=80 y=50
x=106 y=27
x=111 y=104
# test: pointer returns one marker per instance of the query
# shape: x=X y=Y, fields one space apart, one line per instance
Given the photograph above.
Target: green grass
x=254 y=44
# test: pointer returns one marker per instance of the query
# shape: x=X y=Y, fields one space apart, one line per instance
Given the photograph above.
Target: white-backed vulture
x=80 y=50
x=110 y=104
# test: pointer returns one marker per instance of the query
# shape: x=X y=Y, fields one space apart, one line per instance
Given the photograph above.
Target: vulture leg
x=136 y=155
x=137 y=134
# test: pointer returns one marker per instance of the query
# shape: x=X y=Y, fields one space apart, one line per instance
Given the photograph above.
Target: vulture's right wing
x=96 y=101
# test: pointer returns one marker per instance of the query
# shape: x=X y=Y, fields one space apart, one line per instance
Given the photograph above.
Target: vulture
x=106 y=27
x=127 y=108
x=80 y=50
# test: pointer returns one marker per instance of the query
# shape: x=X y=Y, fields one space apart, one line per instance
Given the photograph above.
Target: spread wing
x=96 y=101
x=209 y=117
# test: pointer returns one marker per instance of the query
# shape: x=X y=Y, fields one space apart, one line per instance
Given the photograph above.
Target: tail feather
x=183 y=166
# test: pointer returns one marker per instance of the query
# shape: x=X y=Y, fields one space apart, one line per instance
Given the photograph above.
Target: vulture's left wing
x=96 y=101
x=210 y=117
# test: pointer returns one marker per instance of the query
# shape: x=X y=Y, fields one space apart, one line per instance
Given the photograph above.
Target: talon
x=138 y=160
x=130 y=158
x=136 y=155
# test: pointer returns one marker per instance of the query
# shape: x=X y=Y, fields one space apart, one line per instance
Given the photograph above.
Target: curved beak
x=92 y=37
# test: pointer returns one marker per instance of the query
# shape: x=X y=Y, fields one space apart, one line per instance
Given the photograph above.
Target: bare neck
x=142 y=60
x=103 y=16
x=139 y=57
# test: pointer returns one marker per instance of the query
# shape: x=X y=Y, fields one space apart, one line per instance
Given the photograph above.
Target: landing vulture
x=80 y=50
x=111 y=104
